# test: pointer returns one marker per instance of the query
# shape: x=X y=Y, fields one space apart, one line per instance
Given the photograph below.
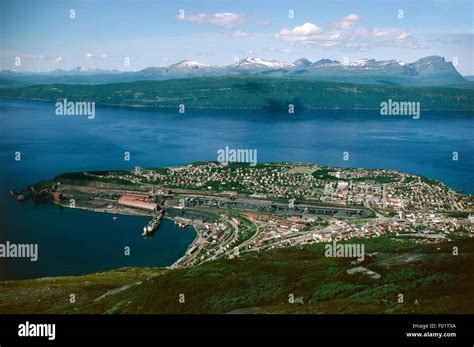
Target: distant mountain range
x=428 y=71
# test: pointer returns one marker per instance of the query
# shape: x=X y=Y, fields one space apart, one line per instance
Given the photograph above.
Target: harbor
x=231 y=223
x=109 y=198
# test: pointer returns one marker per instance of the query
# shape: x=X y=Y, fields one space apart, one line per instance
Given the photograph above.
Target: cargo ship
x=149 y=229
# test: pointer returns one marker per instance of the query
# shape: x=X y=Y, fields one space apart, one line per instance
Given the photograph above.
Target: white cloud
x=223 y=19
x=309 y=34
x=346 y=34
x=403 y=36
x=240 y=33
x=299 y=33
x=348 y=22
x=89 y=55
x=59 y=60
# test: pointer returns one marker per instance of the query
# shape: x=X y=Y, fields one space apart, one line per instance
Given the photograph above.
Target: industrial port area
x=238 y=209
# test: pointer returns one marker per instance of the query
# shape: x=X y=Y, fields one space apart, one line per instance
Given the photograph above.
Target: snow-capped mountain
x=190 y=65
x=182 y=69
x=387 y=67
x=82 y=69
x=432 y=70
x=362 y=62
x=259 y=63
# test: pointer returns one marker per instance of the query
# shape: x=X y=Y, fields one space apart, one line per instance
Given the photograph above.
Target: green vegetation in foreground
x=252 y=92
x=431 y=279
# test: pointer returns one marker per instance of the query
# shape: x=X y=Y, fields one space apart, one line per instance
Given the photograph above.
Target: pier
x=182 y=222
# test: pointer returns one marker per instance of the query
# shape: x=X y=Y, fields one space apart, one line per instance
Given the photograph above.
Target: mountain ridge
x=431 y=70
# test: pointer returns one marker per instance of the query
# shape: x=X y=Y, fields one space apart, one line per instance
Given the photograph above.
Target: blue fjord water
x=75 y=242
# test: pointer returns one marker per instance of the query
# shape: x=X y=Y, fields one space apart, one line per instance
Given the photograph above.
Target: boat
x=152 y=225
x=150 y=228
x=17 y=194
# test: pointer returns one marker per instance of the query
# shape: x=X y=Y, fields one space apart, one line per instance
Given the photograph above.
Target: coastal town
x=238 y=209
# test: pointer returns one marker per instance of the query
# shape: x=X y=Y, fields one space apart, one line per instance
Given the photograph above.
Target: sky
x=132 y=35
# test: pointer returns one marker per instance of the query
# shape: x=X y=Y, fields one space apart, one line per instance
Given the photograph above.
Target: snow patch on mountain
x=259 y=62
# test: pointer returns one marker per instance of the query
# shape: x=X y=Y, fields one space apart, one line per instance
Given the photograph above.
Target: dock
x=182 y=222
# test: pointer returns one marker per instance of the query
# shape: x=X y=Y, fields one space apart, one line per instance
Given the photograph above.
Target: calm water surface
x=74 y=242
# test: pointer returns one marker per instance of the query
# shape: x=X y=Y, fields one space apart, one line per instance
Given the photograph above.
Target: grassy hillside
x=431 y=279
x=272 y=94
